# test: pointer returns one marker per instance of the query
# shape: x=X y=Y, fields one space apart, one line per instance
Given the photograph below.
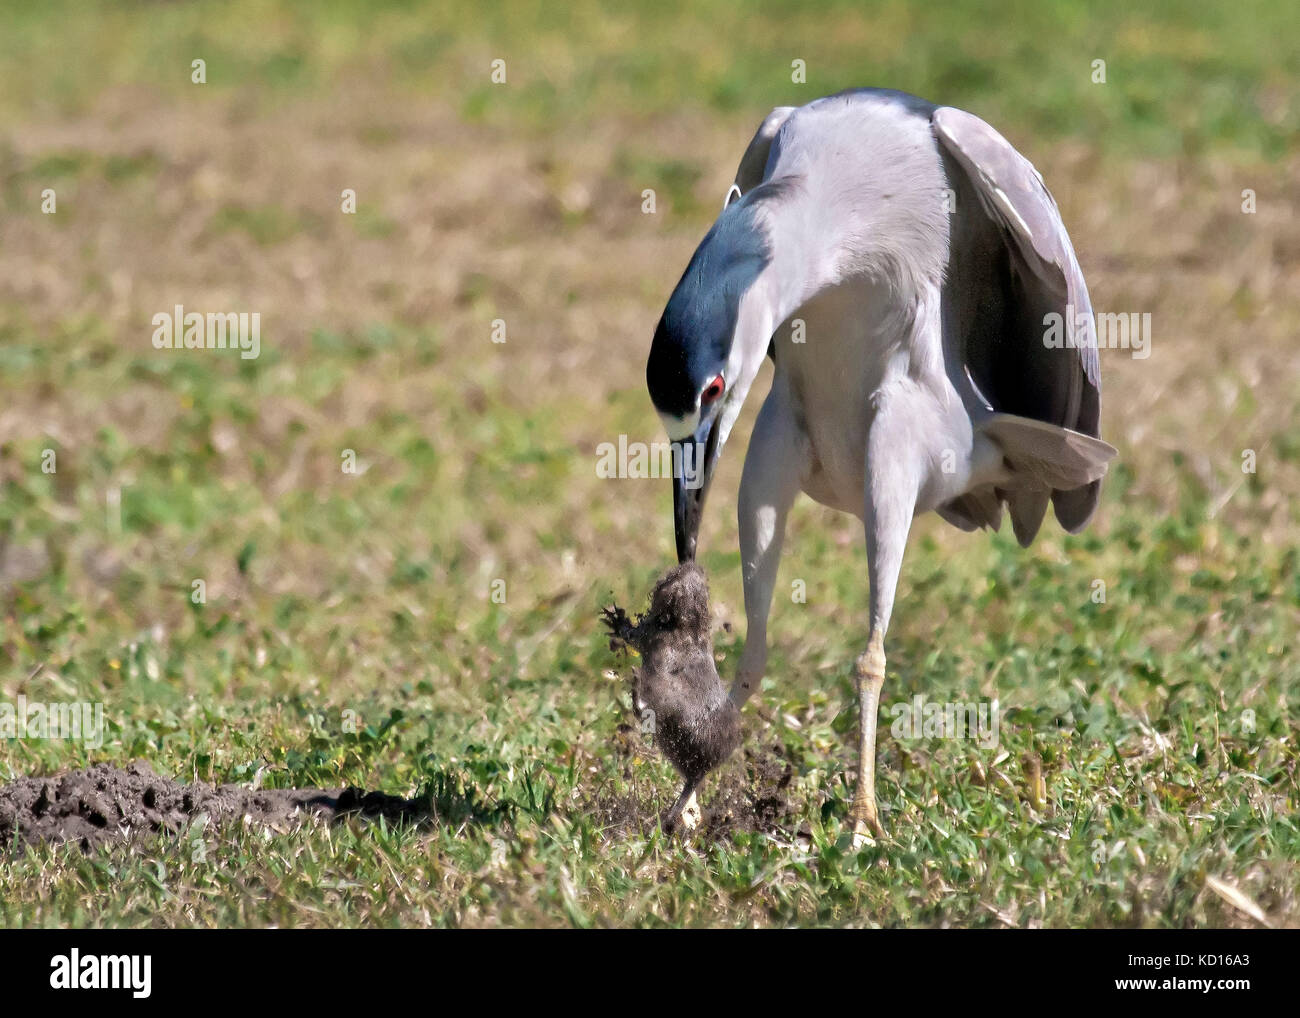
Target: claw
x=621 y=630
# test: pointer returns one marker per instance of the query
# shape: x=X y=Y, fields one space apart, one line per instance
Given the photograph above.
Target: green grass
x=1230 y=67
x=1164 y=718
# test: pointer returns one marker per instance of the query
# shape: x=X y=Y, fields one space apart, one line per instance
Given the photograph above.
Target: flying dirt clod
x=677 y=688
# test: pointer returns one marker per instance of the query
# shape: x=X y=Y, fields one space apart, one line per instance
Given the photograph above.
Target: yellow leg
x=869 y=671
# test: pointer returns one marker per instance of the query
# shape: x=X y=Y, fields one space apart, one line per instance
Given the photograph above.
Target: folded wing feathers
x=1056 y=457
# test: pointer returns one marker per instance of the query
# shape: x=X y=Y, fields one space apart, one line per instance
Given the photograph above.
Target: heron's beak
x=693 y=460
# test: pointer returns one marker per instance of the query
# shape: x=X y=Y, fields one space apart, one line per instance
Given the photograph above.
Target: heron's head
x=705 y=355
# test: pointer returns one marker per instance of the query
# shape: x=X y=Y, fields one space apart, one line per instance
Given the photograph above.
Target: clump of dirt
x=104 y=804
x=752 y=797
x=749 y=794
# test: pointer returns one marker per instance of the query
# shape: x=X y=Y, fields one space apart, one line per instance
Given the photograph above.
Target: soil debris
x=748 y=794
x=104 y=804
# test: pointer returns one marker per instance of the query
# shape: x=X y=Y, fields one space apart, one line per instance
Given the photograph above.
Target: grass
x=1162 y=719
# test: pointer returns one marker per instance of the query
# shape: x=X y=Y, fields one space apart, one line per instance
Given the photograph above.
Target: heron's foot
x=685 y=816
x=866 y=821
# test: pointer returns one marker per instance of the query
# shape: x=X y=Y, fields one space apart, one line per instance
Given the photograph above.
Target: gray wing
x=1016 y=249
x=753 y=164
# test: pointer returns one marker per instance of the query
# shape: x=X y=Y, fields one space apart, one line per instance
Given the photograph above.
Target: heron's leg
x=869 y=673
x=891 y=494
x=774 y=467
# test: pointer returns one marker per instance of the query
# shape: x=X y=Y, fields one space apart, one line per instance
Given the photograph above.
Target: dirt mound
x=105 y=804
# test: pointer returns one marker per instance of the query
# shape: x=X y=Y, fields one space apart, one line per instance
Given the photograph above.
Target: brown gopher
x=676 y=690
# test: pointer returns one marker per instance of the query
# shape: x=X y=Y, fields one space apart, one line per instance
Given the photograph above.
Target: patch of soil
x=746 y=794
x=751 y=795
x=105 y=804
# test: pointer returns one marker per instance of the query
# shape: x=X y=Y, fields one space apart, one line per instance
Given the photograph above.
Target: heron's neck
x=818 y=244
x=803 y=247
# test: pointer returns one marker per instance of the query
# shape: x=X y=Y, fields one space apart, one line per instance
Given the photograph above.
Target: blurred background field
x=1164 y=719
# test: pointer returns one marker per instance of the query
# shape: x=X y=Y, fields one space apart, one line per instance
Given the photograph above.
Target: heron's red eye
x=712 y=391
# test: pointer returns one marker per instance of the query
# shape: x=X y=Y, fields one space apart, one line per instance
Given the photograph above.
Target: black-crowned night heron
x=900 y=262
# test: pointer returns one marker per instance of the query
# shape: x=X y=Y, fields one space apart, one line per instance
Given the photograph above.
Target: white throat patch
x=680 y=428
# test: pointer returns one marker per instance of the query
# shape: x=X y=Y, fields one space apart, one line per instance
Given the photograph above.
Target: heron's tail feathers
x=1047 y=462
